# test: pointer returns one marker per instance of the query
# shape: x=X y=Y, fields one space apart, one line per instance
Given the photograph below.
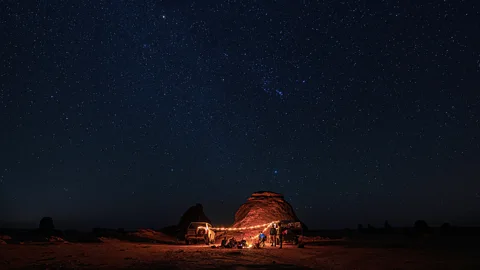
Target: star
x=358 y=105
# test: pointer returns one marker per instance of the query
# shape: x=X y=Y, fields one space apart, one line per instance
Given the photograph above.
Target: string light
x=249 y=245
x=265 y=226
x=244 y=228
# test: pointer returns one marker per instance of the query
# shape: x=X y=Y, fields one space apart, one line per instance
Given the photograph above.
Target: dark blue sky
x=125 y=113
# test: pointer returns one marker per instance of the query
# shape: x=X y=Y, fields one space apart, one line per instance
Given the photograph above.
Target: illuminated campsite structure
x=258 y=214
x=294 y=227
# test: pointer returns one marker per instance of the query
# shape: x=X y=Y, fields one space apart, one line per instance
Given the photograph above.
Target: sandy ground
x=123 y=255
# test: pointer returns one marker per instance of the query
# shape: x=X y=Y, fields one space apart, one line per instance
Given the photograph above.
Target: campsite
x=418 y=247
x=110 y=253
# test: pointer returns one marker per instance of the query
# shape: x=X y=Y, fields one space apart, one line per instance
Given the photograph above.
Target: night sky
x=125 y=113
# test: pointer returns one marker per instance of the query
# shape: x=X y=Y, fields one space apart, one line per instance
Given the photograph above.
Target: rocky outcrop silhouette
x=264 y=207
x=150 y=236
x=46 y=224
x=193 y=214
x=421 y=227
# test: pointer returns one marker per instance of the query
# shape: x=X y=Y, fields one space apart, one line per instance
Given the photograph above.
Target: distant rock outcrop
x=56 y=239
x=46 y=224
x=148 y=235
x=421 y=227
x=5 y=237
x=264 y=207
x=193 y=214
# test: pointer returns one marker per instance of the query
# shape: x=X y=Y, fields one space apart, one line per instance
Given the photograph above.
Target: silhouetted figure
x=224 y=242
x=243 y=243
x=261 y=239
x=273 y=236
x=280 y=240
x=282 y=232
x=231 y=243
x=46 y=224
x=360 y=227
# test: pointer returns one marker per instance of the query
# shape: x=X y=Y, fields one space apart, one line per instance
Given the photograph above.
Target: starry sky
x=125 y=113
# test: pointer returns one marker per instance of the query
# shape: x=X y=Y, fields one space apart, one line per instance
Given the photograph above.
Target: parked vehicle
x=200 y=232
x=293 y=229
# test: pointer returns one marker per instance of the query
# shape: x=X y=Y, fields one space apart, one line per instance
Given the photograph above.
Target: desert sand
x=124 y=255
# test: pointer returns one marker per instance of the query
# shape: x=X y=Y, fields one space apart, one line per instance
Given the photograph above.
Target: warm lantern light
x=244 y=228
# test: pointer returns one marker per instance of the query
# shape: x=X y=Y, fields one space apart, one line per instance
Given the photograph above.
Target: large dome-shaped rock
x=193 y=214
x=264 y=207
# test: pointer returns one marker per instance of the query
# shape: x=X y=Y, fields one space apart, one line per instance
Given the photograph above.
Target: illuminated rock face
x=264 y=207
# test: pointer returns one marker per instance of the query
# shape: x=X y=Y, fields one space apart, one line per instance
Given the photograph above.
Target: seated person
x=224 y=242
x=242 y=243
x=232 y=243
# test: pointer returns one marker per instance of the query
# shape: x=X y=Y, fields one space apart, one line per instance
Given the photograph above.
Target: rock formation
x=194 y=213
x=46 y=224
x=148 y=235
x=264 y=207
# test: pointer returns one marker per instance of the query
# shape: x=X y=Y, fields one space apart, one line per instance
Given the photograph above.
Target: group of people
x=277 y=234
x=233 y=243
